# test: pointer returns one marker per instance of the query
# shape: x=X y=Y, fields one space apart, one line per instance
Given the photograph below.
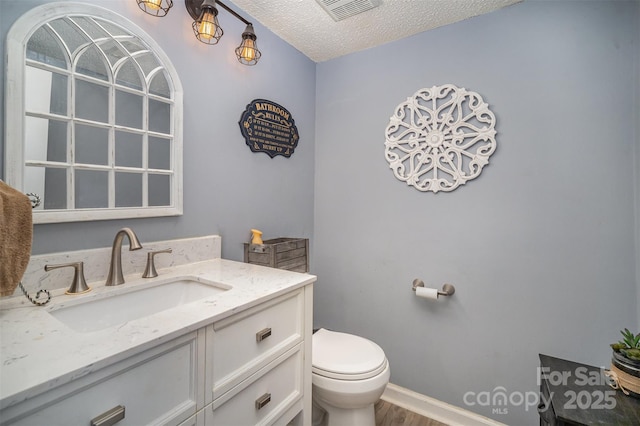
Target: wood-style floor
x=391 y=415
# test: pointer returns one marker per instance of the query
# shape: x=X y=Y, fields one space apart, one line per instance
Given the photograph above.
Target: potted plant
x=625 y=363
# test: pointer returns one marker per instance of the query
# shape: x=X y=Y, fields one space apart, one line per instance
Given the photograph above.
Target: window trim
x=15 y=112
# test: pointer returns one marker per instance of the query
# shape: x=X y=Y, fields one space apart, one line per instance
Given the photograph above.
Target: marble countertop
x=38 y=352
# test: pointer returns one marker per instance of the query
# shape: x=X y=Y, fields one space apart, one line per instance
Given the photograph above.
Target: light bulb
x=248 y=50
x=153 y=4
x=207 y=27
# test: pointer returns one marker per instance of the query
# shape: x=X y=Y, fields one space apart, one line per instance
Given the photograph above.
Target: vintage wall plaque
x=268 y=127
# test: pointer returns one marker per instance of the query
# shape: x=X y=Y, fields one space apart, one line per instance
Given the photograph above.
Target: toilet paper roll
x=427 y=293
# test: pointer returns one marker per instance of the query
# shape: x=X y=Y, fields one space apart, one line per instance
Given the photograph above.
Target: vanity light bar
x=206 y=27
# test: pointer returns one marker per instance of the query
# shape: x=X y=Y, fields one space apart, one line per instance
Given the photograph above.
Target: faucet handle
x=78 y=285
x=150 y=269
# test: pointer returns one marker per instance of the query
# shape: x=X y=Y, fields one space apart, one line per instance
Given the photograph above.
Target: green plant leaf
x=630 y=340
x=628 y=337
x=633 y=354
x=617 y=346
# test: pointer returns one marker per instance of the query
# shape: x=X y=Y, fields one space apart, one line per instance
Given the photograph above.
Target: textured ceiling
x=305 y=25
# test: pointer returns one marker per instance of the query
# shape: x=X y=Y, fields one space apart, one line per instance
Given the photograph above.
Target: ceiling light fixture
x=155 y=7
x=248 y=52
x=206 y=27
x=205 y=24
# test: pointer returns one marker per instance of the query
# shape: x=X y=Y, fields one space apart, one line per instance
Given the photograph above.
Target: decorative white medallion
x=440 y=138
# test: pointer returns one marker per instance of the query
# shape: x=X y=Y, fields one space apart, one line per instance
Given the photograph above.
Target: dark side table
x=577 y=394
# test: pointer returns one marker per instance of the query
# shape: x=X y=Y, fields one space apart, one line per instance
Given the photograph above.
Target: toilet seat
x=344 y=356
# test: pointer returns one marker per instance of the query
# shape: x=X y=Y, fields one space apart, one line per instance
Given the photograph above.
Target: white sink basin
x=108 y=310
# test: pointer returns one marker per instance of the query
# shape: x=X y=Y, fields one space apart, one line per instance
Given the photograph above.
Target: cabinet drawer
x=155 y=387
x=242 y=344
x=274 y=390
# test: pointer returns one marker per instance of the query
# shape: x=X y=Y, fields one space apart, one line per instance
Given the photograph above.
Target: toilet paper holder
x=447 y=289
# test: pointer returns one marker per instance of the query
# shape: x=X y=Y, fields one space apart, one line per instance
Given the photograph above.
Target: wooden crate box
x=283 y=253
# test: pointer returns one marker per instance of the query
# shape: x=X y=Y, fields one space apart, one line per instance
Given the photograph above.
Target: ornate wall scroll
x=440 y=138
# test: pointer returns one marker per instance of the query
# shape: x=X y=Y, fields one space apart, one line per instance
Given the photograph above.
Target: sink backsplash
x=96 y=262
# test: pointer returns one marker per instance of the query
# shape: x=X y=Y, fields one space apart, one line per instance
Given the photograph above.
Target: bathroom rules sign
x=268 y=127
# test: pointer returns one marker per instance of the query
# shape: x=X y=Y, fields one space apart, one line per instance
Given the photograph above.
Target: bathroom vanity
x=239 y=355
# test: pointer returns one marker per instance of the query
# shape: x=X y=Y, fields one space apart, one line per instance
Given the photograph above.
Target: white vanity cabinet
x=251 y=367
x=159 y=386
x=259 y=363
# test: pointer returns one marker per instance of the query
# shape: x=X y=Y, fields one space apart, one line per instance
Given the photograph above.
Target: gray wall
x=540 y=247
x=227 y=189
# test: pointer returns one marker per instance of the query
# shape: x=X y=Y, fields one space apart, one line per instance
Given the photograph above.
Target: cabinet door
x=159 y=386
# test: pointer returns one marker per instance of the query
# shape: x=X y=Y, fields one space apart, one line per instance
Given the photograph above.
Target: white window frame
x=15 y=114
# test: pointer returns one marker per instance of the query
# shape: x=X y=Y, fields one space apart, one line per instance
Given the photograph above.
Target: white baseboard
x=434 y=409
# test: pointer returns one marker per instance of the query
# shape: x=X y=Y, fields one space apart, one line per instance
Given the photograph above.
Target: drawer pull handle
x=263 y=400
x=263 y=334
x=110 y=417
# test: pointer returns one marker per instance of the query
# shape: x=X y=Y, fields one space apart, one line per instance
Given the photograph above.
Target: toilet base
x=334 y=416
x=318 y=415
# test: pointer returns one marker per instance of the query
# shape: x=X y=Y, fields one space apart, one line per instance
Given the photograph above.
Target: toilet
x=349 y=374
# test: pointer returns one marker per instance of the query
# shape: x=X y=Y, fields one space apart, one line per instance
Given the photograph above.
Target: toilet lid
x=345 y=356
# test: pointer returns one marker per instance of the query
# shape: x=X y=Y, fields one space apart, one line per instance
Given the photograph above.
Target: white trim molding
x=434 y=409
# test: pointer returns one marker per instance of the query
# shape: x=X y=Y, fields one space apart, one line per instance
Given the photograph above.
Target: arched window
x=94 y=116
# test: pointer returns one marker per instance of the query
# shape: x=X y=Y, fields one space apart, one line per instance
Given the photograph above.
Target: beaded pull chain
x=35 y=202
x=36 y=301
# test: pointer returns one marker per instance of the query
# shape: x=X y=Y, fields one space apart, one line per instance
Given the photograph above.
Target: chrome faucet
x=115 y=276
